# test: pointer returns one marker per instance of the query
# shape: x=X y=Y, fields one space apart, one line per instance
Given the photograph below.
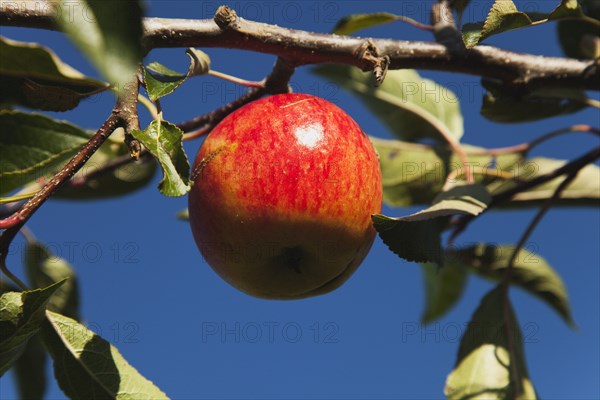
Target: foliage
x=420 y=167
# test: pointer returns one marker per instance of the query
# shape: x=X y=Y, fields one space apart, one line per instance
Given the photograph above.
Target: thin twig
x=124 y=114
x=28 y=235
x=523 y=186
x=66 y=173
x=276 y=82
x=110 y=166
x=558 y=132
x=152 y=109
x=10 y=275
x=526 y=147
x=235 y=79
x=413 y=22
x=202 y=120
x=197 y=133
x=445 y=30
x=576 y=165
x=508 y=272
x=591 y=102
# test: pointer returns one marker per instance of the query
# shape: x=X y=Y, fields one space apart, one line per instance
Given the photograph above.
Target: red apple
x=284 y=189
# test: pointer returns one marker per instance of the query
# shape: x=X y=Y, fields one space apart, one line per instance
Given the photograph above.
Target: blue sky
x=146 y=289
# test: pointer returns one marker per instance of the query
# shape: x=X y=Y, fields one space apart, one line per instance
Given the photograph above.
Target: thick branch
x=301 y=47
x=313 y=48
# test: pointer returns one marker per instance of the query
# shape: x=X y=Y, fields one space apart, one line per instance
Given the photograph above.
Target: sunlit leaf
x=503 y=16
x=88 y=367
x=161 y=81
x=416 y=237
x=31 y=145
x=21 y=316
x=29 y=369
x=485 y=368
x=163 y=141
x=413 y=108
x=108 y=32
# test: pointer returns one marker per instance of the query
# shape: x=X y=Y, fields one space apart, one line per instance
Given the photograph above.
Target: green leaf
x=579 y=28
x=161 y=81
x=443 y=288
x=465 y=199
x=357 y=22
x=484 y=367
x=415 y=173
x=530 y=272
x=413 y=108
x=109 y=33
x=163 y=141
x=583 y=190
x=30 y=370
x=21 y=316
x=44 y=269
x=31 y=145
x=503 y=16
x=506 y=107
x=33 y=76
x=416 y=237
x=88 y=367
x=120 y=181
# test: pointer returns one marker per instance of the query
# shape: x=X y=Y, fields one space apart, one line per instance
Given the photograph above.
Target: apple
x=282 y=197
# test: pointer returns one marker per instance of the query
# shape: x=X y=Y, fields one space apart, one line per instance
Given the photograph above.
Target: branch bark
x=519 y=71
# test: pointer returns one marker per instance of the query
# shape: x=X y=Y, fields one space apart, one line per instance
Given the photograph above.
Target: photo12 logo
x=227 y=332
x=453 y=332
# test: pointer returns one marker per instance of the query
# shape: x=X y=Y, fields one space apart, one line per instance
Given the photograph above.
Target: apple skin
x=284 y=189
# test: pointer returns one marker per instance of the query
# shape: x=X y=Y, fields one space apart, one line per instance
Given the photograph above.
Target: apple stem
x=234 y=79
x=197 y=133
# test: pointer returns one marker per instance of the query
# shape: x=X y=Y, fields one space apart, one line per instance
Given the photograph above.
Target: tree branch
x=569 y=167
x=121 y=116
x=502 y=197
x=516 y=70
